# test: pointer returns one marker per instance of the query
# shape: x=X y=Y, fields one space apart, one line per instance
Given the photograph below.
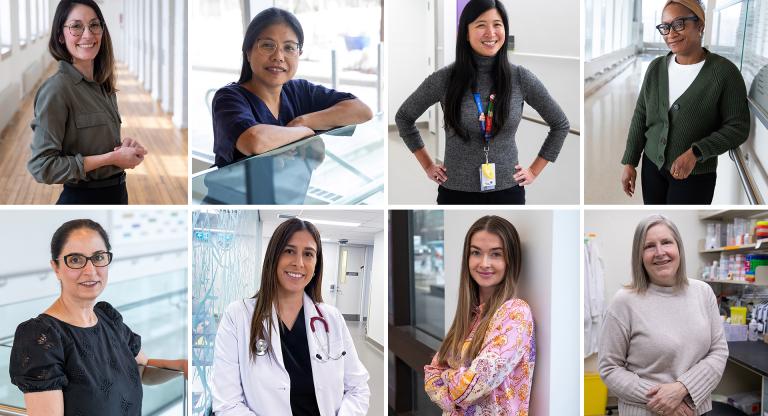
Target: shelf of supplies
x=734 y=282
x=761 y=279
x=761 y=245
x=726 y=215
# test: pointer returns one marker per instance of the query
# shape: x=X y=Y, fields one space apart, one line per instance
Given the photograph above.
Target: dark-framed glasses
x=77 y=28
x=267 y=47
x=78 y=261
x=678 y=25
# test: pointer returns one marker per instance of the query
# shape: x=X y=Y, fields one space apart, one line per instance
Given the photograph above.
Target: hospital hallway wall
x=621 y=40
x=149 y=39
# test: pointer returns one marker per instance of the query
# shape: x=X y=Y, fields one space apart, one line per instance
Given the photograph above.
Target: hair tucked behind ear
x=463 y=76
x=469 y=291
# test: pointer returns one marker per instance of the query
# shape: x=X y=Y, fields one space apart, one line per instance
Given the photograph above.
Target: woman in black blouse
x=78 y=357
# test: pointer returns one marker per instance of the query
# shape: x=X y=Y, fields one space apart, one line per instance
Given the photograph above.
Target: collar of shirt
x=72 y=72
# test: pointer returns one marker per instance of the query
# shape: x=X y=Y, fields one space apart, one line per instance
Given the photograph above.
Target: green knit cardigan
x=712 y=116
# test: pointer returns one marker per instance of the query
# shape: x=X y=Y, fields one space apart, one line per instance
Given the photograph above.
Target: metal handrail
x=12 y=411
x=750 y=188
x=544 y=123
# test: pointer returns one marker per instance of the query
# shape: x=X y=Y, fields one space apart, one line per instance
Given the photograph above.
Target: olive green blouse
x=74 y=118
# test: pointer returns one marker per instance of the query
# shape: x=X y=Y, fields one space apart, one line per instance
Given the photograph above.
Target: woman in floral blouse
x=485 y=364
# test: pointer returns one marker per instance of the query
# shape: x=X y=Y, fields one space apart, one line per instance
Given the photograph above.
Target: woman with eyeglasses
x=76 y=139
x=662 y=347
x=485 y=364
x=78 y=357
x=692 y=107
x=482 y=95
x=266 y=108
x=284 y=351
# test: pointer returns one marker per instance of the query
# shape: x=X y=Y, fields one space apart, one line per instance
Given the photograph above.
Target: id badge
x=487 y=176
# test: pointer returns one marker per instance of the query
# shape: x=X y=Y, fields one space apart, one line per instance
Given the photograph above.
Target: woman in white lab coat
x=284 y=351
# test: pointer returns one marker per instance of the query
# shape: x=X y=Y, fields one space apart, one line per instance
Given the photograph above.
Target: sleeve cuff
x=80 y=162
x=696 y=382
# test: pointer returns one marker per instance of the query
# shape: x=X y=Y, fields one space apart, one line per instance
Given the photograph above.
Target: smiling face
x=296 y=264
x=688 y=41
x=487 y=265
x=277 y=68
x=85 y=47
x=486 y=33
x=84 y=284
x=661 y=255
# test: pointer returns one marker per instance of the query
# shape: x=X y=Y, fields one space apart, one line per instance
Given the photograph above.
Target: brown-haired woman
x=662 y=349
x=490 y=348
x=284 y=351
x=79 y=357
x=76 y=127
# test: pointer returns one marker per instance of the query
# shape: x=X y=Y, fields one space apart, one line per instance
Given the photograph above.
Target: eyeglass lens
x=78 y=261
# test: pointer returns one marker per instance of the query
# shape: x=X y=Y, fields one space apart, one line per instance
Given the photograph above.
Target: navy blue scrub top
x=235 y=110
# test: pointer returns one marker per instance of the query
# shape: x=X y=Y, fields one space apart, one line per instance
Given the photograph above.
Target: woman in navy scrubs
x=267 y=108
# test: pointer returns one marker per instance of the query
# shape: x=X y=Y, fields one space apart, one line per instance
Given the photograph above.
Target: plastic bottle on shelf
x=753 y=334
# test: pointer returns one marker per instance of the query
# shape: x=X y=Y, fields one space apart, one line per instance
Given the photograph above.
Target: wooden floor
x=160 y=179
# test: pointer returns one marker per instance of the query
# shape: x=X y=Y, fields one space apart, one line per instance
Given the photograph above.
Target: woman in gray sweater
x=482 y=96
x=662 y=349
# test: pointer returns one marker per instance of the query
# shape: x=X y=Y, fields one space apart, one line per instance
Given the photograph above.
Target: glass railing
x=341 y=166
x=154 y=307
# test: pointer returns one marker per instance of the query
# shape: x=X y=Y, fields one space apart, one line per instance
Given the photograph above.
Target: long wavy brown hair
x=469 y=292
x=262 y=321
x=104 y=63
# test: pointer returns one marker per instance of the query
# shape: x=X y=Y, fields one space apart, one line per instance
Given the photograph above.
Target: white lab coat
x=245 y=387
x=594 y=296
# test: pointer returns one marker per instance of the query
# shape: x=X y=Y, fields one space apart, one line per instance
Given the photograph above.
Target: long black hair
x=463 y=76
x=261 y=21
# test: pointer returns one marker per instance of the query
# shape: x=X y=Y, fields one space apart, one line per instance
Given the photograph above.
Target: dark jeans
x=110 y=195
x=511 y=196
x=659 y=187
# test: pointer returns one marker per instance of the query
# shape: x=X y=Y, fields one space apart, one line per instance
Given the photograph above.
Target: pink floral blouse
x=498 y=380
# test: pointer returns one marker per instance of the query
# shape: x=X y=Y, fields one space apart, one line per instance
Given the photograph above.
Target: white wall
x=13 y=66
x=409 y=23
x=615 y=230
x=377 y=308
x=548 y=281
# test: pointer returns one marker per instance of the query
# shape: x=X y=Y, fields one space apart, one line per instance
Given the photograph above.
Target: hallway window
x=428 y=272
x=33 y=28
x=5 y=26
x=23 y=29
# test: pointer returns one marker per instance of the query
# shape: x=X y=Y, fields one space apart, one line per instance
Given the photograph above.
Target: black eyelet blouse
x=94 y=367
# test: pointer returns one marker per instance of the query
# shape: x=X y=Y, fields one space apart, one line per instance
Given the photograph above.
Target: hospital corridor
x=621 y=40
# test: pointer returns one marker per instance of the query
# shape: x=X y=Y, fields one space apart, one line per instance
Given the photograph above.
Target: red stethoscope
x=320 y=318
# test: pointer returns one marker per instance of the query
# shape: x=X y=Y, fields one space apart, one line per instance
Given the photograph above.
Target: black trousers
x=110 y=195
x=660 y=188
x=511 y=196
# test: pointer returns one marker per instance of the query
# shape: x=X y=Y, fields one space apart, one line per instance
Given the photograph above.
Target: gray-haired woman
x=662 y=349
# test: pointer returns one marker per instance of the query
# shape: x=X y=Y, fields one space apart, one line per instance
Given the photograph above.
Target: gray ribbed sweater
x=463 y=158
x=662 y=336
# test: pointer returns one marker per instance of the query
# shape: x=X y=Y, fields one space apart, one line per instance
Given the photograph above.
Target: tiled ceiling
x=371 y=222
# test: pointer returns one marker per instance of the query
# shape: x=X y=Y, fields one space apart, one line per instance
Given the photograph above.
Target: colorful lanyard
x=486 y=122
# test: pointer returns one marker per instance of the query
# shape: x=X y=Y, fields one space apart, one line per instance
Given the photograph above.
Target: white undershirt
x=681 y=77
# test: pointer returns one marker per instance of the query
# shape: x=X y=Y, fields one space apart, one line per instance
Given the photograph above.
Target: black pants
x=511 y=196
x=110 y=195
x=659 y=187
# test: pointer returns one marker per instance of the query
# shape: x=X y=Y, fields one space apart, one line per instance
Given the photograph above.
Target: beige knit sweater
x=662 y=336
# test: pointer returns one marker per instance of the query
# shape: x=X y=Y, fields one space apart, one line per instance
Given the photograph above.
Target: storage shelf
x=760 y=245
x=734 y=282
x=726 y=215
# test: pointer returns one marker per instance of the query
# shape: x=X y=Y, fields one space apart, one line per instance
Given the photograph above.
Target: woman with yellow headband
x=692 y=107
